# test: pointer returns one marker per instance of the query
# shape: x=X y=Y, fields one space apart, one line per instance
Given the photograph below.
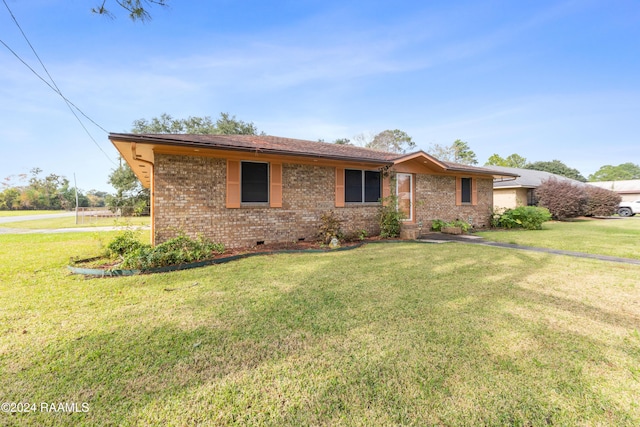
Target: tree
x=392 y=141
x=512 y=161
x=131 y=197
x=458 y=152
x=9 y=199
x=225 y=125
x=229 y=125
x=343 y=141
x=621 y=172
x=138 y=9
x=558 y=168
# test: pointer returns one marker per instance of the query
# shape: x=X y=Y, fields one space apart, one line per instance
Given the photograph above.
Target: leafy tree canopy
x=130 y=195
x=621 y=172
x=343 y=141
x=138 y=9
x=512 y=161
x=226 y=124
x=458 y=152
x=392 y=141
x=558 y=168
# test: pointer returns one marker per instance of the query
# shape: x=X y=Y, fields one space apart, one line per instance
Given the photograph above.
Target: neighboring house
x=629 y=190
x=510 y=193
x=244 y=190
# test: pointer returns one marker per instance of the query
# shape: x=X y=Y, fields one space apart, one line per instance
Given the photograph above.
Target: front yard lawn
x=388 y=334
x=615 y=237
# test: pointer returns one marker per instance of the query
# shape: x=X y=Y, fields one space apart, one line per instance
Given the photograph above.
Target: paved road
x=5 y=219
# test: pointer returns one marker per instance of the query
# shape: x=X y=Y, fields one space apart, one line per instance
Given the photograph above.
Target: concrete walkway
x=440 y=237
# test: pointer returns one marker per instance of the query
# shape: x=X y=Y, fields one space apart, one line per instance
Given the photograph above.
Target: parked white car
x=629 y=208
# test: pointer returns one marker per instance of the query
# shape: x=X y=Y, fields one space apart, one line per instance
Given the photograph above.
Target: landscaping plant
x=330 y=227
x=527 y=217
x=389 y=218
x=563 y=199
x=601 y=202
x=179 y=250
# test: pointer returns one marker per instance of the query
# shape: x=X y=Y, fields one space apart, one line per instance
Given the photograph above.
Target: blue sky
x=544 y=79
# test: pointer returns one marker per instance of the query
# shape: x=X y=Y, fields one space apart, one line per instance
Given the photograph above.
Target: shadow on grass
x=402 y=334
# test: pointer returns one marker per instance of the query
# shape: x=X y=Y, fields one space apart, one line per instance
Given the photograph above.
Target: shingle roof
x=265 y=144
x=289 y=146
x=528 y=178
x=630 y=186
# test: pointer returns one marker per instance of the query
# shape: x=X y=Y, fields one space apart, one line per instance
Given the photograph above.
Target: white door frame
x=410 y=217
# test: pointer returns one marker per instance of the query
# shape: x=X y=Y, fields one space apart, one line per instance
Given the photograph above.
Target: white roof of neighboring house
x=631 y=186
x=528 y=178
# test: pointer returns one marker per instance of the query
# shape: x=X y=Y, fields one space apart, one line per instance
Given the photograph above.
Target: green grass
x=614 y=237
x=388 y=334
x=21 y=213
x=70 y=222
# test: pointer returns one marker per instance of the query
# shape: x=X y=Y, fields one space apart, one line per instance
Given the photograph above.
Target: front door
x=404 y=190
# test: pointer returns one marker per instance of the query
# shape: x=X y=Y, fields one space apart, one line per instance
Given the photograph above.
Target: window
x=362 y=186
x=465 y=185
x=532 y=200
x=254 y=182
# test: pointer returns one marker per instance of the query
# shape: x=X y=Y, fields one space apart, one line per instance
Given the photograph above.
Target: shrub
x=389 y=218
x=438 y=224
x=562 y=198
x=330 y=227
x=527 y=217
x=601 y=202
x=179 y=250
x=354 y=236
x=124 y=242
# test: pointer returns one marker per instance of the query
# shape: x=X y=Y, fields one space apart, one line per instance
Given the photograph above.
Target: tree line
x=51 y=192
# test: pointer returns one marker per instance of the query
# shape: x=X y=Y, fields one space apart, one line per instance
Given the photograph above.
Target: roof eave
x=191 y=144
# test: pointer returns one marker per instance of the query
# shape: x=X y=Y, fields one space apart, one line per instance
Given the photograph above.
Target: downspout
x=151 y=191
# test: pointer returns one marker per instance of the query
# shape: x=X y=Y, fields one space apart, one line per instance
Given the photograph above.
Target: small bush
x=330 y=227
x=125 y=242
x=389 y=218
x=527 y=217
x=562 y=198
x=601 y=202
x=354 y=236
x=179 y=250
x=438 y=224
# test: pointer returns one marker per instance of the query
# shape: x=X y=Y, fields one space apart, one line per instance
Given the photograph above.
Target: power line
x=55 y=87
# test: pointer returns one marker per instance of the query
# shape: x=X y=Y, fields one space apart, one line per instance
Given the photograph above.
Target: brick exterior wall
x=435 y=197
x=190 y=196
